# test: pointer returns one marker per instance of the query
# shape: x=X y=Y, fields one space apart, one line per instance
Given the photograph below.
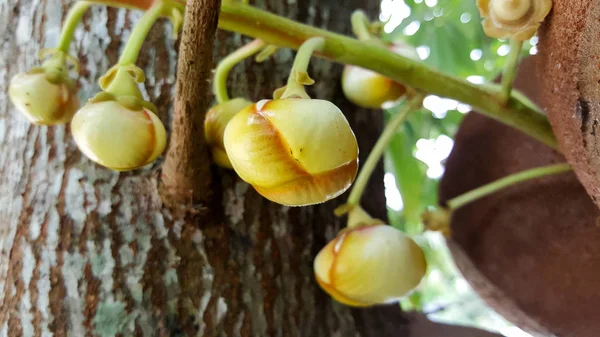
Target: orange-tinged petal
x=293 y=151
x=370 y=265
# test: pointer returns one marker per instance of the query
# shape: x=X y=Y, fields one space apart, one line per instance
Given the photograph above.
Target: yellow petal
x=370 y=265
x=214 y=127
x=117 y=137
x=483 y=6
x=293 y=151
x=316 y=132
x=257 y=151
x=510 y=10
x=517 y=19
x=369 y=89
x=220 y=157
x=41 y=101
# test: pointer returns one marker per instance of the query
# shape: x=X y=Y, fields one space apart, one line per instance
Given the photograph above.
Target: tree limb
x=186 y=175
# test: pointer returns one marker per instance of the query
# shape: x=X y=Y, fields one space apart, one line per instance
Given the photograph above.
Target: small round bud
x=516 y=19
x=42 y=98
x=118 y=134
x=293 y=151
x=369 y=89
x=214 y=127
x=369 y=265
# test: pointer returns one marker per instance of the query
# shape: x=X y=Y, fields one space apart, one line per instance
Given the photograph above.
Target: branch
x=283 y=32
x=186 y=174
x=510 y=68
x=516 y=112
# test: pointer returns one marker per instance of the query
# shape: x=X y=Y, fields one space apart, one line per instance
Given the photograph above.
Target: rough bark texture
x=531 y=250
x=86 y=251
x=569 y=64
x=185 y=177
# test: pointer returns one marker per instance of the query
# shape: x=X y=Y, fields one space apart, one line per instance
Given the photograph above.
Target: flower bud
x=43 y=98
x=369 y=89
x=516 y=19
x=293 y=151
x=369 y=265
x=119 y=134
x=214 y=127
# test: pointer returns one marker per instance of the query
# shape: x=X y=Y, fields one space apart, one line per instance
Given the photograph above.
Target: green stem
x=73 y=19
x=143 y=5
x=299 y=73
x=379 y=148
x=139 y=33
x=360 y=25
x=124 y=82
x=283 y=32
x=499 y=184
x=510 y=68
x=222 y=71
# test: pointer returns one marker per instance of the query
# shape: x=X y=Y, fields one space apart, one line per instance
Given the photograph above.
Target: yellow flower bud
x=369 y=265
x=516 y=19
x=214 y=127
x=42 y=98
x=293 y=151
x=369 y=89
x=117 y=135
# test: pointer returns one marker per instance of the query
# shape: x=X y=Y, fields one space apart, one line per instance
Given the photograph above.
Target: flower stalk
x=438 y=219
x=386 y=136
x=73 y=19
x=225 y=66
x=495 y=186
x=360 y=25
x=139 y=33
x=510 y=68
x=299 y=74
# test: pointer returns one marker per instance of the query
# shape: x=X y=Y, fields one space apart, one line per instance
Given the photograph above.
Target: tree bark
x=86 y=251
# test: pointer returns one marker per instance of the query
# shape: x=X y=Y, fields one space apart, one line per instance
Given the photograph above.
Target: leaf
x=410 y=177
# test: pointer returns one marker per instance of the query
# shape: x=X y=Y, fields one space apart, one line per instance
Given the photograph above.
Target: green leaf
x=410 y=177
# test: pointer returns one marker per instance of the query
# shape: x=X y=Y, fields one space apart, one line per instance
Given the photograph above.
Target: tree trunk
x=91 y=252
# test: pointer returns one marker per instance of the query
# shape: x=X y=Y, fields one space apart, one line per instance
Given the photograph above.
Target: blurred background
x=448 y=36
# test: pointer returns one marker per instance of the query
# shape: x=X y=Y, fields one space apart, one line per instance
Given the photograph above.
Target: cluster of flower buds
x=516 y=19
x=299 y=151
x=117 y=128
x=292 y=149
